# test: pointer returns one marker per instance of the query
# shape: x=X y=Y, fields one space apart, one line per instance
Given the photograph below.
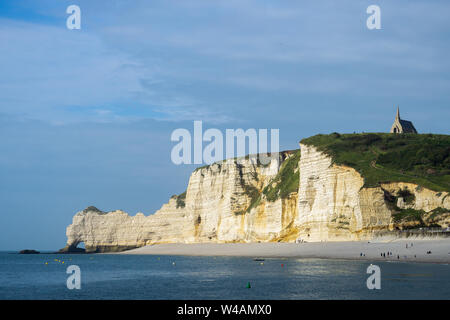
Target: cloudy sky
x=86 y=115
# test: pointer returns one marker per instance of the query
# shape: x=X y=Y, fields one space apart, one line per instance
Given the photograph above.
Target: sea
x=136 y=277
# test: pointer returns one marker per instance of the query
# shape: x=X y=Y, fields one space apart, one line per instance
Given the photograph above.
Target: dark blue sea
x=178 y=277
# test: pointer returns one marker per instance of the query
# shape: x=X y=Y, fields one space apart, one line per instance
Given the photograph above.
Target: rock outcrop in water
x=308 y=197
x=28 y=251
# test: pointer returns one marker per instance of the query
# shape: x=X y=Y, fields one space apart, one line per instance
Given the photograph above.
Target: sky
x=86 y=115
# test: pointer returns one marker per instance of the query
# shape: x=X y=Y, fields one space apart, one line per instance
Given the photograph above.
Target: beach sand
x=440 y=250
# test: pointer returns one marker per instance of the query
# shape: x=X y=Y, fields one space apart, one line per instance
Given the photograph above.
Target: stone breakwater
x=228 y=202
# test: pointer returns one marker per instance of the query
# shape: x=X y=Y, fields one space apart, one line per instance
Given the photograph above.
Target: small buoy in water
x=248 y=285
x=173 y=263
x=62 y=262
x=46 y=263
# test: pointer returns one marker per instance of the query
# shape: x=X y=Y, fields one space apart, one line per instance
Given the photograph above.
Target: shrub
x=181 y=198
x=407 y=196
x=409 y=215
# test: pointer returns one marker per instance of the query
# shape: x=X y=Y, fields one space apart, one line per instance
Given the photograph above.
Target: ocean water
x=179 y=277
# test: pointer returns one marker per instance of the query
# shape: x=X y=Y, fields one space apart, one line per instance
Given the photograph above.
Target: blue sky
x=86 y=115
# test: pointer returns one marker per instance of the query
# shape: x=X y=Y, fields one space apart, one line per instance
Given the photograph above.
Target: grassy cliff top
x=423 y=159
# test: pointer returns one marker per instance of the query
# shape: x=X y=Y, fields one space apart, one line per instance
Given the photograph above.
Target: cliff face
x=249 y=202
x=328 y=201
x=223 y=203
x=334 y=205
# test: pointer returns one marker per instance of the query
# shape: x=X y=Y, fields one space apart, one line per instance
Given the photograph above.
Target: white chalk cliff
x=227 y=202
x=333 y=205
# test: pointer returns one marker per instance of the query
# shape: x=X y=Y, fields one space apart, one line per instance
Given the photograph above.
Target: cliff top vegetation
x=423 y=159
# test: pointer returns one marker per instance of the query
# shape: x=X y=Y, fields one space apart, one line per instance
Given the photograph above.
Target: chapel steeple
x=402 y=126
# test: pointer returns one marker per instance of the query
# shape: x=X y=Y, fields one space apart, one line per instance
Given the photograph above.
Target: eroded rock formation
x=230 y=202
x=222 y=203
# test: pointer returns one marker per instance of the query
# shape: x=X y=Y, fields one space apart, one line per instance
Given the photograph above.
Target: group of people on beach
x=383 y=254
x=390 y=254
x=407 y=246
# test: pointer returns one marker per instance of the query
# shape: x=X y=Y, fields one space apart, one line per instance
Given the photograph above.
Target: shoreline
x=349 y=250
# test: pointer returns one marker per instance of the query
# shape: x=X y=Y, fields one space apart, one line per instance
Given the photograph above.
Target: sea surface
x=112 y=276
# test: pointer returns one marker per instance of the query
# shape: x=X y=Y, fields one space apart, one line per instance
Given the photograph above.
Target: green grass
x=423 y=159
x=286 y=181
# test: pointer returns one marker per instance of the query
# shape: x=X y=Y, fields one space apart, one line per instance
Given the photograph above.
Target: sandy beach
x=373 y=250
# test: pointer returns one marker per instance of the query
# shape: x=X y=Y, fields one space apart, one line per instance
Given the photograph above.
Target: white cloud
x=185 y=60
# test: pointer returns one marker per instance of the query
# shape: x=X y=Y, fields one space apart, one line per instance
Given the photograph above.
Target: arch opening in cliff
x=81 y=245
x=76 y=247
